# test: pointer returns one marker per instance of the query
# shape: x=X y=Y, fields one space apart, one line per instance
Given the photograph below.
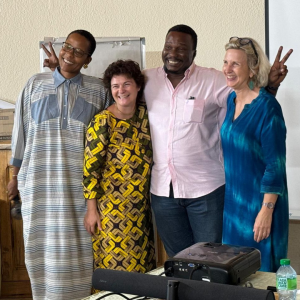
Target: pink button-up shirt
x=185 y=125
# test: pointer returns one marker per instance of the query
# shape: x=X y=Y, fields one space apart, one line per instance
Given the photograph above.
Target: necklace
x=125 y=114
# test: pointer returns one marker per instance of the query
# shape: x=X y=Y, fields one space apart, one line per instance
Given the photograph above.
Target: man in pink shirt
x=187 y=105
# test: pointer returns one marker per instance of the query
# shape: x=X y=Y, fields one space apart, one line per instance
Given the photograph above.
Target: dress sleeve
x=95 y=156
x=274 y=149
x=21 y=124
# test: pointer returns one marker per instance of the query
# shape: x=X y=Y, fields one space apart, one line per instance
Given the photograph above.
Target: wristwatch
x=269 y=205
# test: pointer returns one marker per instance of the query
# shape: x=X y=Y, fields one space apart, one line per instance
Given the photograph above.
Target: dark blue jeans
x=184 y=222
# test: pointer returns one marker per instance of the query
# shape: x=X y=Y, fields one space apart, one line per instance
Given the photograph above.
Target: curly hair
x=259 y=65
x=129 y=68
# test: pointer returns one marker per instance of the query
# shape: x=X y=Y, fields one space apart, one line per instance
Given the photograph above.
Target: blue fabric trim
x=83 y=110
x=45 y=109
x=16 y=162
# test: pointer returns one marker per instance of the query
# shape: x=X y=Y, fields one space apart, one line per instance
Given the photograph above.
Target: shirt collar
x=188 y=72
x=59 y=79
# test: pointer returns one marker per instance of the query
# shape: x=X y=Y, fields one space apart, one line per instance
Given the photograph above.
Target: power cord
x=110 y=294
x=199 y=267
x=170 y=269
x=123 y=296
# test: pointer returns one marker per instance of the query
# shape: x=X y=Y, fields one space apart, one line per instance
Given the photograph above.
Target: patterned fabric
x=254 y=158
x=52 y=115
x=118 y=158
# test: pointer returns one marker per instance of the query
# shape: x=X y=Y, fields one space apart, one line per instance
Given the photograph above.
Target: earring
x=85 y=66
x=251 y=84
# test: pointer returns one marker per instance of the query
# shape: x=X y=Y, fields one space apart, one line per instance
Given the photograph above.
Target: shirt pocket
x=193 y=111
x=83 y=111
x=45 y=109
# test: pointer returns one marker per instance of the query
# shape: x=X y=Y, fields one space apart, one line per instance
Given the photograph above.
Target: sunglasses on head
x=243 y=42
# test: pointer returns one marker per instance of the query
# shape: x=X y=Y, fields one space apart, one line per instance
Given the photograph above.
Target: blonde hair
x=259 y=65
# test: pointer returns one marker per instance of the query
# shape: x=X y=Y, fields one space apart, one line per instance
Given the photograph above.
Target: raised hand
x=52 y=61
x=279 y=70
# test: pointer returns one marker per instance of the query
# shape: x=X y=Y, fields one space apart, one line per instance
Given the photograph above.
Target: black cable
x=163 y=273
x=199 y=267
x=170 y=269
x=125 y=297
x=110 y=294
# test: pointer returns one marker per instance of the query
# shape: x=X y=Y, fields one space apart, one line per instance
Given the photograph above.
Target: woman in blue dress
x=253 y=140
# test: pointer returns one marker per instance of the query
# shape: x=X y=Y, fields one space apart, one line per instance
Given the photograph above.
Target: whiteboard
x=282 y=29
x=108 y=50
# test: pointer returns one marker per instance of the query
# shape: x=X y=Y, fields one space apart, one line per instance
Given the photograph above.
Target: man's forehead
x=177 y=42
x=181 y=37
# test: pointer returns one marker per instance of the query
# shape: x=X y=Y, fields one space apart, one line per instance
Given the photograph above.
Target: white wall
x=23 y=23
x=287 y=33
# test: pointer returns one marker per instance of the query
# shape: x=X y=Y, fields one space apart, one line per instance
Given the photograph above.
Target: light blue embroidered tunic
x=254 y=159
x=51 y=118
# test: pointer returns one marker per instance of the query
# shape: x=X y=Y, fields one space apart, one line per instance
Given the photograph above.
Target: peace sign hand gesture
x=279 y=70
x=52 y=61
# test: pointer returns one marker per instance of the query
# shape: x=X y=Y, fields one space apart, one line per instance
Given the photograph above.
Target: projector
x=214 y=262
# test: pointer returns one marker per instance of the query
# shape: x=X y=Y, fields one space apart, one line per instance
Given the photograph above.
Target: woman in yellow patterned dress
x=118 y=158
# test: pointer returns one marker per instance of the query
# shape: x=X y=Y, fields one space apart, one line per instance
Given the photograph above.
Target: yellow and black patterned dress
x=118 y=157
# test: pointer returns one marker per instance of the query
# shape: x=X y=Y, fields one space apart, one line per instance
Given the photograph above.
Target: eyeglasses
x=243 y=42
x=77 y=52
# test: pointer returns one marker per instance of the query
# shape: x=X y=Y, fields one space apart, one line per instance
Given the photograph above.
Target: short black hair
x=188 y=30
x=129 y=68
x=88 y=36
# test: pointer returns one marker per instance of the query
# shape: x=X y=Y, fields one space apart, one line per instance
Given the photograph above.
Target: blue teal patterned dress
x=254 y=159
